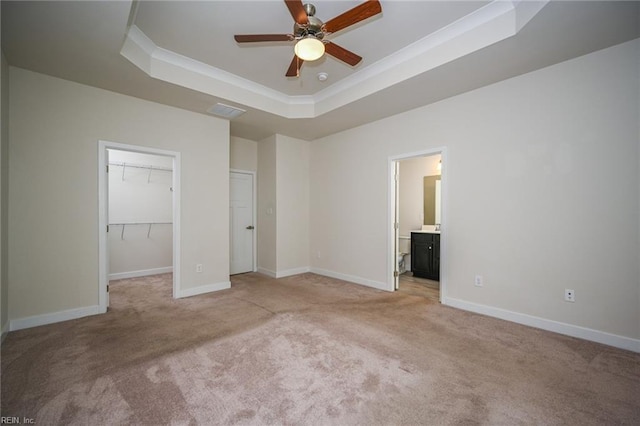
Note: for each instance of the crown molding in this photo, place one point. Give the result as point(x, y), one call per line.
point(490, 24)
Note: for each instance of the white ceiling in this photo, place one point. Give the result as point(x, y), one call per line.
point(204, 31)
point(416, 52)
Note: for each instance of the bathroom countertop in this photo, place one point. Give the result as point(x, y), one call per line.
point(429, 229)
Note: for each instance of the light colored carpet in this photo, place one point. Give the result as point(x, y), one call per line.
point(307, 350)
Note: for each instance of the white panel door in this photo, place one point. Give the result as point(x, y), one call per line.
point(241, 228)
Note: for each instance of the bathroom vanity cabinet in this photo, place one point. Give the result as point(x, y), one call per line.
point(425, 255)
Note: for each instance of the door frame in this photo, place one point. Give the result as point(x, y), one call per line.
point(103, 197)
point(393, 199)
point(254, 213)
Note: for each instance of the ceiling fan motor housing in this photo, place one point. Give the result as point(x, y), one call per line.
point(313, 27)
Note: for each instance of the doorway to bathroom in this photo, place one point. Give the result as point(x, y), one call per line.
point(416, 208)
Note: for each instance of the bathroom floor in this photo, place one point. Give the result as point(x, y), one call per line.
point(419, 286)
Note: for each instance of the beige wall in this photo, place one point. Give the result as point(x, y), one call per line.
point(267, 225)
point(528, 207)
point(243, 154)
point(4, 193)
point(292, 179)
point(283, 206)
point(54, 130)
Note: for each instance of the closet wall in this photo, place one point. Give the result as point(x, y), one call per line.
point(140, 214)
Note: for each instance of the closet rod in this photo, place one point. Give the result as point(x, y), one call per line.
point(142, 166)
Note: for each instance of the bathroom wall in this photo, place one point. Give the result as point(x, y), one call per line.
point(411, 196)
point(138, 195)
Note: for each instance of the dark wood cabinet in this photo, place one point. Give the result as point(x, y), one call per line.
point(425, 255)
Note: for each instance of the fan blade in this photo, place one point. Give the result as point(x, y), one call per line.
point(350, 17)
point(341, 53)
point(251, 38)
point(296, 63)
point(297, 11)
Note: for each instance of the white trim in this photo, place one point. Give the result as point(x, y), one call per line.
point(491, 23)
point(103, 250)
point(352, 279)
point(5, 331)
point(290, 272)
point(267, 272)
point(103, 214)
point(178, 69)
point(285, 273)
point(140, 273)
point(255, 213)
point(37, 320)
point(391, 255)
point(605, 338)
point(209, 288)
point(177, 220)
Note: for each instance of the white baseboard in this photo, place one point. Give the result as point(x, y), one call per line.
point(37, 320)
point(549, 325)
point(285, 273)
point(5, 331)
point(267, 272)
point(204, 289)
point(141, 273)
point(290, 272)
point(351, 278)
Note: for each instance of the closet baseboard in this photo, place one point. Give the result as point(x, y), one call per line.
point(140, 273)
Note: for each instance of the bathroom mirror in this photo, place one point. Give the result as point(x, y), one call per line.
point(431, 186)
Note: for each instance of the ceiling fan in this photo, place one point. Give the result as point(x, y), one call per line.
point(309, 33)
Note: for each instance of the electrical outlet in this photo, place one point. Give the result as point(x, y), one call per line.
point(478, 281)
point(318, 254)
point(569, 295)
point(199, 268)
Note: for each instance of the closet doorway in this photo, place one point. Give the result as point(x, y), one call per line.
point(138, 215)
point(417, 215)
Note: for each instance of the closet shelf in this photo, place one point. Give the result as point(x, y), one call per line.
point(142, 166)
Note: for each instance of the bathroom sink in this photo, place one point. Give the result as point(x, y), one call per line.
point(429, 228)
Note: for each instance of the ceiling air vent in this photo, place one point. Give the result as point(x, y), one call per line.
point(226, 111)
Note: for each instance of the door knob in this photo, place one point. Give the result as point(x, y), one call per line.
point(250, 227)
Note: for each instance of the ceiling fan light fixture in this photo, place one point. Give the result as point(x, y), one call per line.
point(309, 48)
